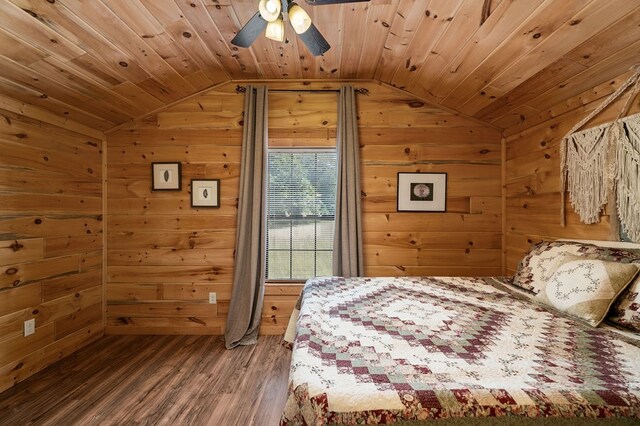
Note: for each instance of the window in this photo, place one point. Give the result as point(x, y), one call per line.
point(301, 207)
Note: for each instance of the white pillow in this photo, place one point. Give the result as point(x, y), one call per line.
point(586, 288)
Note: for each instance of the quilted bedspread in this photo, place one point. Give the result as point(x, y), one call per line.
point(385, 350)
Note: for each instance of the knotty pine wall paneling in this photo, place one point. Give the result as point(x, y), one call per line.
point(50, 238)
point(399, 133)
point(532, 181)
point(164, 257)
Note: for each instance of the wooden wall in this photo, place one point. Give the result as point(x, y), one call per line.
point(399, 133)
point(50, 239)
point(532, 185)
point(164, 257)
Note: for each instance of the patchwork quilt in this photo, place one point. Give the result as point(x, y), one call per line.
point(387, 350)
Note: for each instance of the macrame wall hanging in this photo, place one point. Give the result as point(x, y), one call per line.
point(601, 165)
point(628, 178)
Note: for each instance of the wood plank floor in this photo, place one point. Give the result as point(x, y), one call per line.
point(169, 380)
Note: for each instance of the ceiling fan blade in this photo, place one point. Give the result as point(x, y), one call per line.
point(325, 2)
point(251, 30)
point(314, 41)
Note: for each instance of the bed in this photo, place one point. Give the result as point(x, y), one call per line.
point(449, 350)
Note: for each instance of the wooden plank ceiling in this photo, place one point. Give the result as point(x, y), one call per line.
point(104, 62)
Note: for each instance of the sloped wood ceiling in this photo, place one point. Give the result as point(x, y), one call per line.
point(104, 62)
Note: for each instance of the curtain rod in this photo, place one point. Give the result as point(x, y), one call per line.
point(362, 90)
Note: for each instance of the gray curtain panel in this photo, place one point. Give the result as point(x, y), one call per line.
point(243, 320)
point(347, 240)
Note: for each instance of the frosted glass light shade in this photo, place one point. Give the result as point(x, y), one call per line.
point(270, 9)
point(300, 20)
point(275, 30)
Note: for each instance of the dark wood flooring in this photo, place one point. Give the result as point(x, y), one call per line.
point(168, 380)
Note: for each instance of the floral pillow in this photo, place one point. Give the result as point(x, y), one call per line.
point(626, 310)
point(541, 262)
point(537, 267)
point(586, 288)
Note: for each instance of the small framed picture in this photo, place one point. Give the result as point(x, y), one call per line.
point(422, 192)
point(205, 193)
point(166, 176)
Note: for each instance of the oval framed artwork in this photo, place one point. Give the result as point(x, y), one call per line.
point(422, 192)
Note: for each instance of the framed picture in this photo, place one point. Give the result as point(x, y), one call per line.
point(166, 176)
point(422, 192)
point(205, 193)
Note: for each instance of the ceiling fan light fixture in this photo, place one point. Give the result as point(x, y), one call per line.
point(300, 20)
point(275, 30)
point(270, 9)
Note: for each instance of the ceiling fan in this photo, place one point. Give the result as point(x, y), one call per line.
point(270, 19)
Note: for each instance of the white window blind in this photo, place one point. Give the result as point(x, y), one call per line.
point(301, 207)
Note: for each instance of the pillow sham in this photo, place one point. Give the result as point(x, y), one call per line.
point(586, 288)
point(541, 262)
point(536, 268)
point(626, 309)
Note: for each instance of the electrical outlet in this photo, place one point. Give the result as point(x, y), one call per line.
point(213, 298)
point(29, 327)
